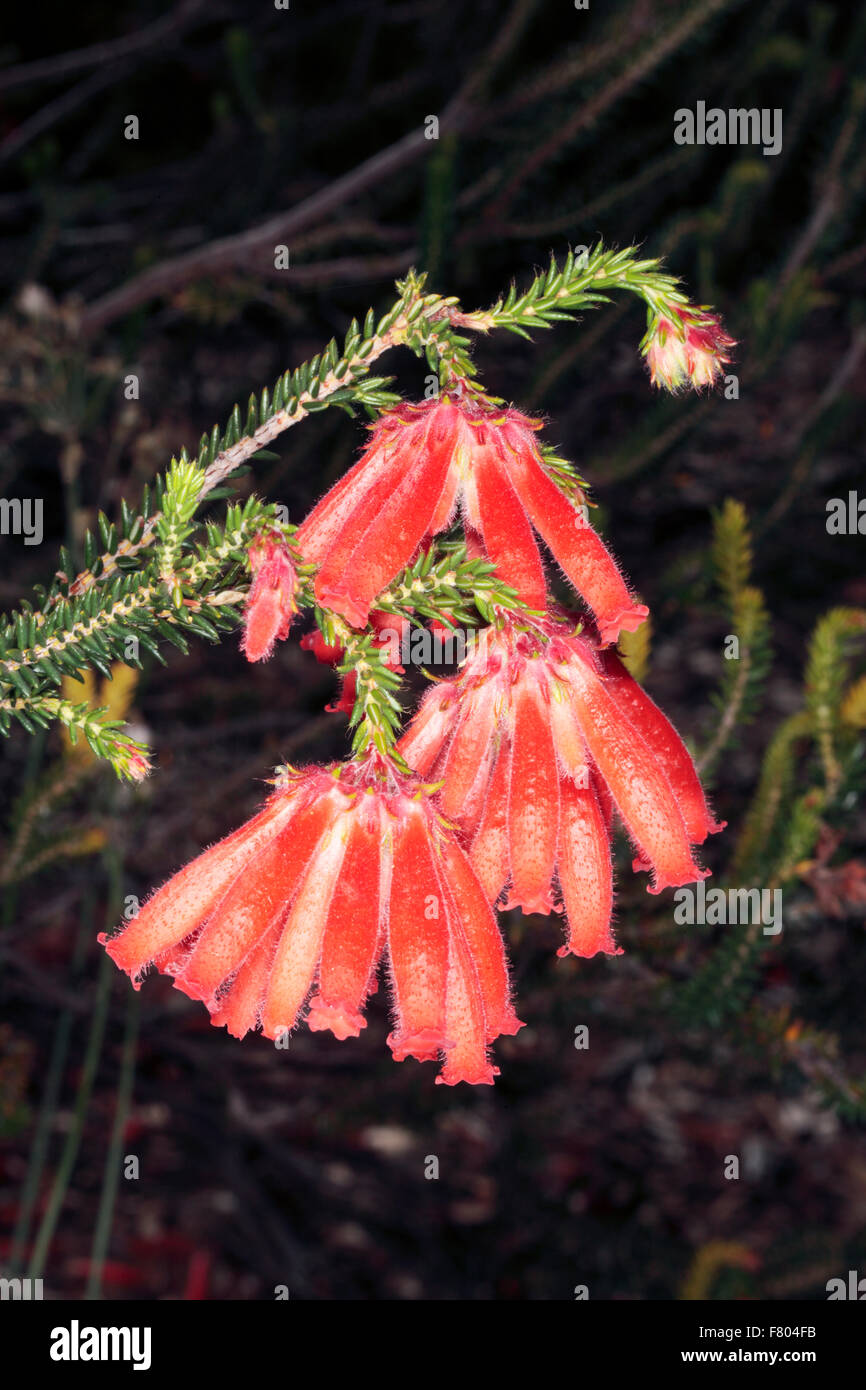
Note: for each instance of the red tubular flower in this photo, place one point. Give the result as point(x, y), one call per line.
point(691, 345)
point(342, 866)
point(420, 461)
point(633, 774)
point(535, 743)
point(270, 604)
point(668, 747)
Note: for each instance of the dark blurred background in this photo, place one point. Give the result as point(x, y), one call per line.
point(155, 256)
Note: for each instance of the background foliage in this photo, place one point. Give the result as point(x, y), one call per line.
point(156, 257)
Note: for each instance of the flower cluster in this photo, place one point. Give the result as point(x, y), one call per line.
point(421, 462)
point(537, 744)
point(686, 345)
point(503, 789)
point(344, 865)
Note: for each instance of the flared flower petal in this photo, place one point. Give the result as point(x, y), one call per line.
point(490, 852)
point(426, 736)
point(379, 537)
point(239, 1004)
point(580, 551)
point(541, 738)
point(300, 943)
point(466, 1058)
point(417, 943)
point(381, 465)
point(258, 897)
point(567, 737)
point(508, 540)
point(469, 749)
point(484, 940)
point(182, 904)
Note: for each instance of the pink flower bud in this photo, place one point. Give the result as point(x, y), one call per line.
point(270, 604)
point(688, 346)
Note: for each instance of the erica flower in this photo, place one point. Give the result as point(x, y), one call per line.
point(133, 762)
point(420, 462)
point(536, 744)
point(342, 866)
point(270, 604)
point(691, 345)
point(666, 743)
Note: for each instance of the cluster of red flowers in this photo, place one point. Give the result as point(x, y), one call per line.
point(342, 866)
point(506, 783)
point(422, 462)
point(536, 744)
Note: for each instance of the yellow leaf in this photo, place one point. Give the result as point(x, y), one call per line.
point(853, 707)
point(117, 694)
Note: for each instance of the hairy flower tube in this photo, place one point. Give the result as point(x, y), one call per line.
point(270, 604)
point(421, 461)
point(688, 346)
point(536, 742)
point(343, 866)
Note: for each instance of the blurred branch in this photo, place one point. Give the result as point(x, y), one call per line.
point(160, 34)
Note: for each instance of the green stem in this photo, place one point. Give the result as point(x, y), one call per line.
point(113, 1158)
point(69, 1154)
point(31, 771)
point(50, 1097)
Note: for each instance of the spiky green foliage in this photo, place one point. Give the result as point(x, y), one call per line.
point(827, 672)
point(580, 283)
point(796, 793)
point(378, 714)
point(106, 737)
point(443, 584)
point(732, 550)
point(747, 644)
point(183, 484)
point(758, 832)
